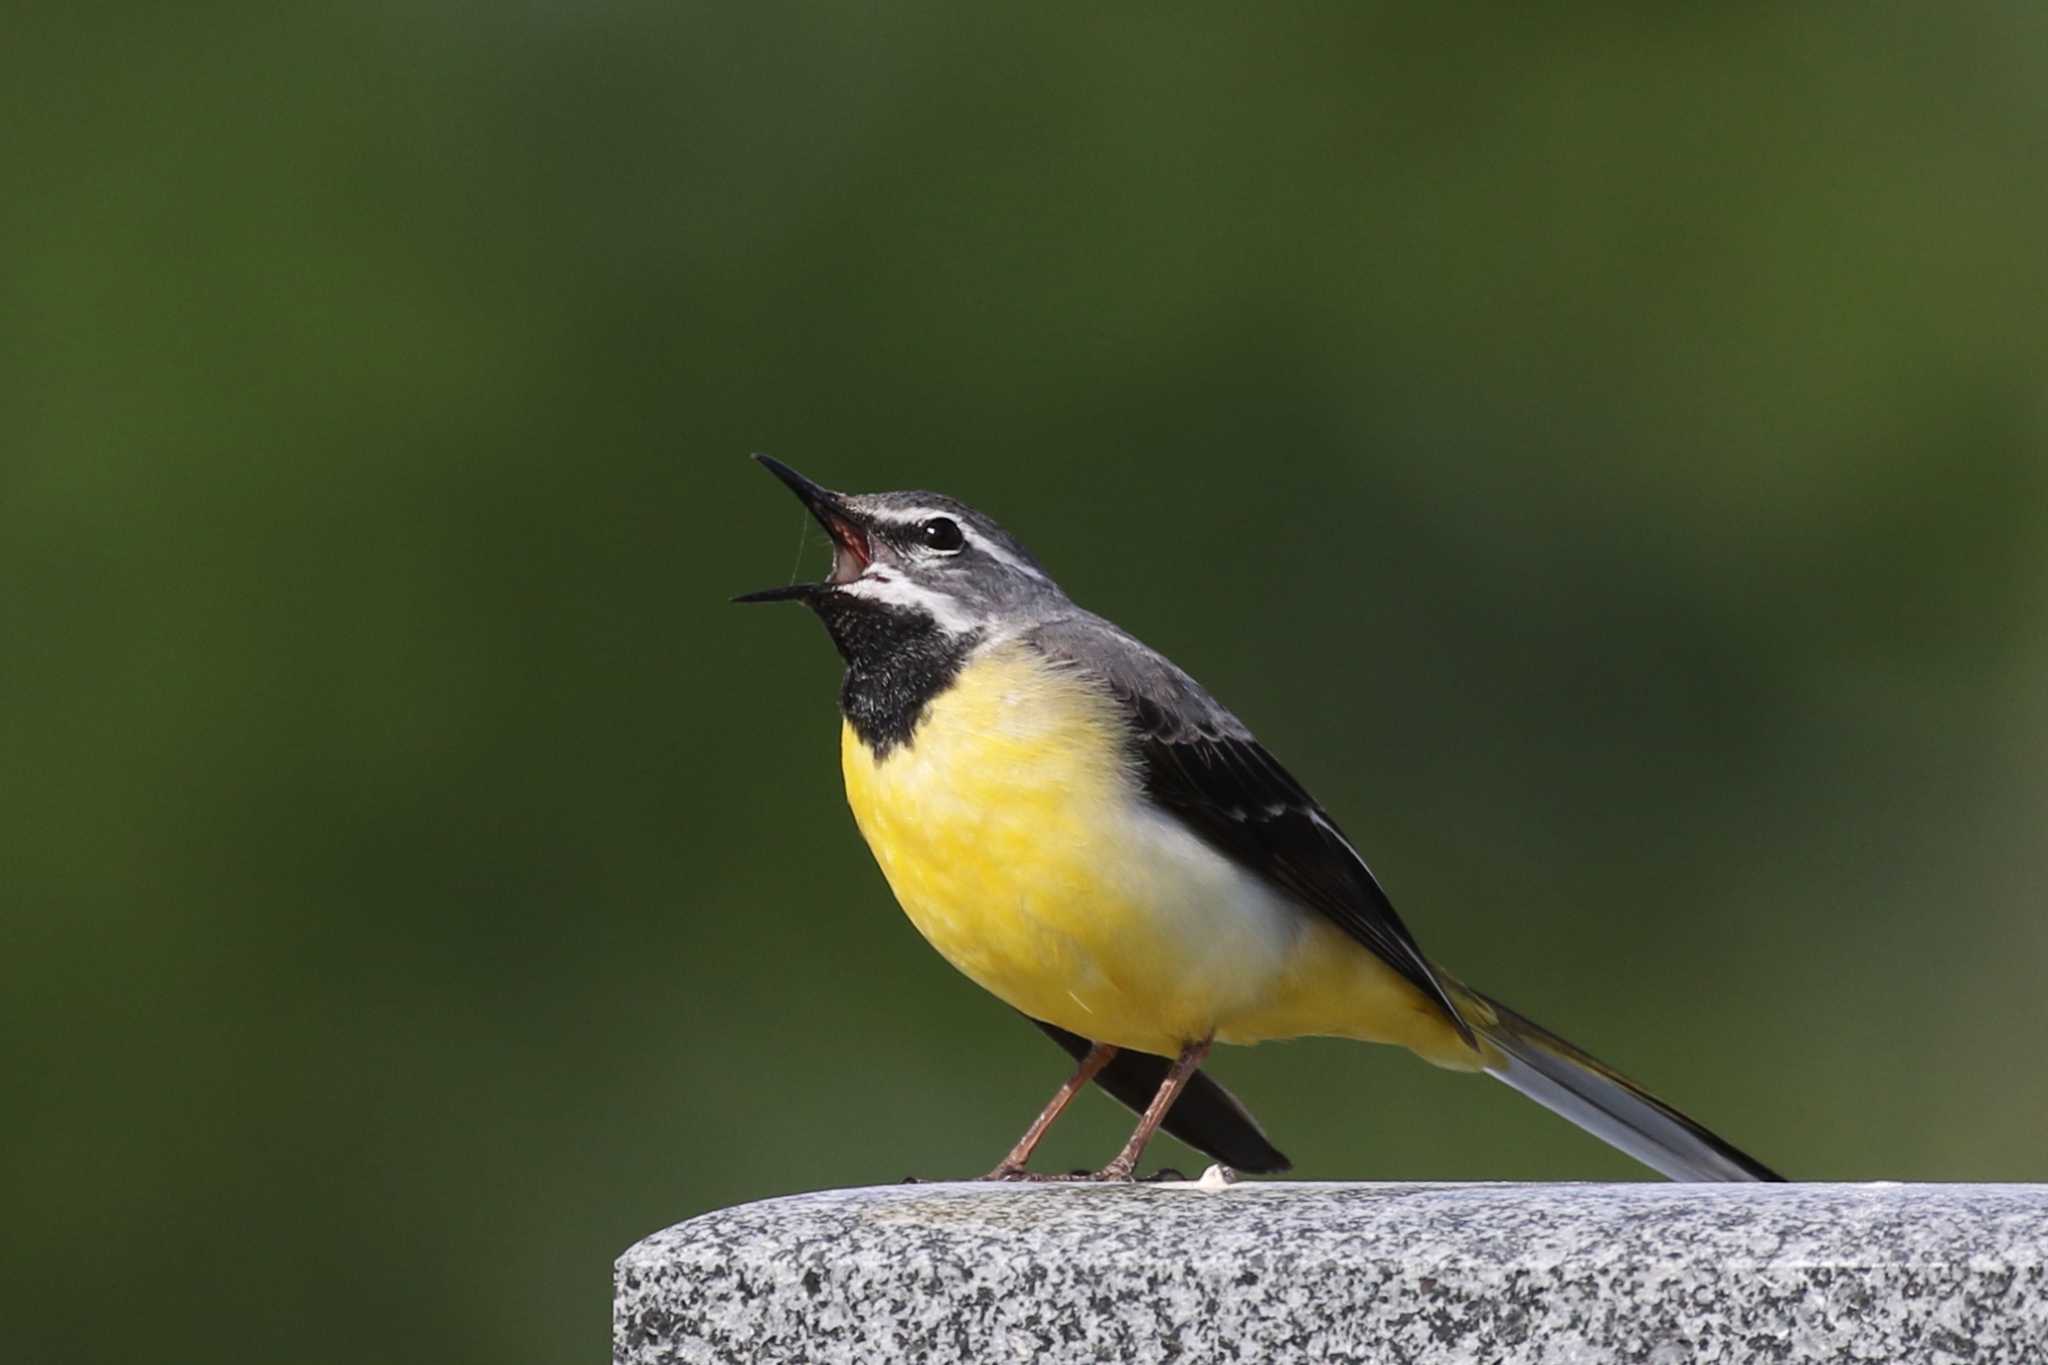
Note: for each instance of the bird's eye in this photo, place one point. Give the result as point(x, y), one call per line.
point(941, 534)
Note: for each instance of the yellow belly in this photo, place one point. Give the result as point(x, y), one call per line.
point(1013, 834)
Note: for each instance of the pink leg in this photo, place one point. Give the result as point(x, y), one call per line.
point(1184, 1066)
point(1012, 1166)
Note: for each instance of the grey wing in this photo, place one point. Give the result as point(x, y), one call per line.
point(1202, 764)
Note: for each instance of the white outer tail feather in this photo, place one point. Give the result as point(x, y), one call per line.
point(1614, 1109)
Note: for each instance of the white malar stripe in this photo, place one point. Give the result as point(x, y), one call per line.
point(886, 586)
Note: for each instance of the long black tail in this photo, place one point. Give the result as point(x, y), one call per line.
point(1600, 1099)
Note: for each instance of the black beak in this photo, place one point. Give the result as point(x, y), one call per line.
point(815, 496)
point(851, 549)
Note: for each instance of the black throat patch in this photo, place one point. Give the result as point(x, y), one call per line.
point(897, 660)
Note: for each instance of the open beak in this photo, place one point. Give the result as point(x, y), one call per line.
point(851, 549)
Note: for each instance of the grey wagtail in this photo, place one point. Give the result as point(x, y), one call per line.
point(1094, 840)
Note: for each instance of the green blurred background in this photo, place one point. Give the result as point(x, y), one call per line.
point(1601, 448)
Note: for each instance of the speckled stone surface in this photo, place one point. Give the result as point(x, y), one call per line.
point(1276, 1272)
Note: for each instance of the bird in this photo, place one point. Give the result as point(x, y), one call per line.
point(1080, 828)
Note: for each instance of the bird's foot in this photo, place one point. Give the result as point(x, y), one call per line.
point(1115, 1173)
point(1017, 1175)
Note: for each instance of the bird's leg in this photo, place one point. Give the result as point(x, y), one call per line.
point(1011, 1167)
point(1184, 1066)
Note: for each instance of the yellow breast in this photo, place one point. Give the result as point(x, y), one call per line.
point(1013, 832)
point(1009, 830)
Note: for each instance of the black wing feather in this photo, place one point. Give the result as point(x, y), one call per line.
point(1200, 762)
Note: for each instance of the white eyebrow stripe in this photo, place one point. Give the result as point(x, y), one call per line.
point(910, 516)
point(1001, 555)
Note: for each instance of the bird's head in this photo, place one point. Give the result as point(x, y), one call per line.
point(912, 564)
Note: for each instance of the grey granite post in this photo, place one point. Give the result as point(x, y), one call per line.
point(1276, 1272)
